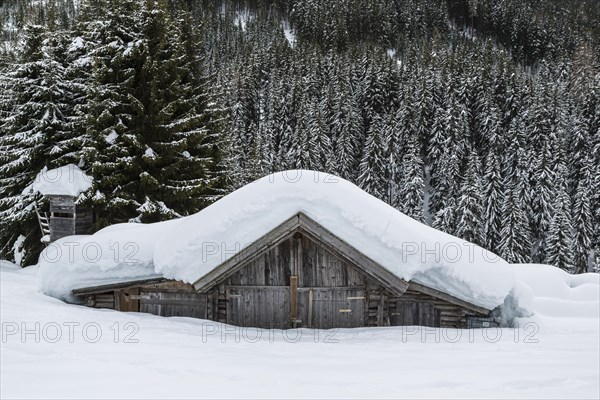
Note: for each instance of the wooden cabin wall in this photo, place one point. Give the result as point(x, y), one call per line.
point(416, 308)
point(296, 283)
point(172, 299)
point(68, 218)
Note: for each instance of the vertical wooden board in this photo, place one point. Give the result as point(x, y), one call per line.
point(397, 317)
point(410, 313)
point(283, 264)
point(303, 307)
point(134, 304)
point(260, 267)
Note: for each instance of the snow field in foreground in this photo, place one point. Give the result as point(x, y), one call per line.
point(82, 353)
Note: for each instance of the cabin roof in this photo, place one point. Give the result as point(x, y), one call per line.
point(191, 249)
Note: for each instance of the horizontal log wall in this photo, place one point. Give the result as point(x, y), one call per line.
point(173, 299)
point(101, 300)
point(450, 315)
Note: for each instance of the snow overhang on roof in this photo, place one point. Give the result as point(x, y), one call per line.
point(68, 180)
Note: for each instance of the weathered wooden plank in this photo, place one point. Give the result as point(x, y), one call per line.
point(293, 298)
point(105, 305)
point(62, 208)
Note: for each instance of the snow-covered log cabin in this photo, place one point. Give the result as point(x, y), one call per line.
point(287, 252)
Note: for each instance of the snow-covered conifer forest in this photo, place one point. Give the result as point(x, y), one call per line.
point(479, 118)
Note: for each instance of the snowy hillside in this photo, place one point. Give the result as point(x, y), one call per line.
point(553, 355)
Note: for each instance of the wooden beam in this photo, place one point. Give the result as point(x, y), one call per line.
point(449, 298)
point(310, 308)
point(294, 299)
point(113, 286)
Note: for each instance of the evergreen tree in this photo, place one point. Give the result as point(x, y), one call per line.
point(410, 196)
point(155, 151)
point(515, 245)
point(31, 139)
point(493, 195)
point(469, 224)
point(372, 164)
point(559, 241)
point(582, 222)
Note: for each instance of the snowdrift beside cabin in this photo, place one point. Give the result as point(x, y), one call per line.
point(558, 294)
point(188, 248)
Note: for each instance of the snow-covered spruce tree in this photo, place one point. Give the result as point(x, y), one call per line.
point(559, 240)
point(345, 130)
point(301, 154)
point(155, 153)
point(319, 139)
point(515, 244)
point(445, 219)
point(410, 196)
point(372, 165)
point(583, 220)
point(395, 148)
point(469, 210)
point(493, 198)
point(446, 151)
point(114, 162)
point(31, 138)
point(543, 193)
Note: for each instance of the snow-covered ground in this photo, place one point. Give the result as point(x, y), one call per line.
point(50, 349)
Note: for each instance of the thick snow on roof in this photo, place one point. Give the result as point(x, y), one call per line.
point(67, 180)
point(188, 248)
point(114, 254)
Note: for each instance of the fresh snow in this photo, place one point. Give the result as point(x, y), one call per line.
point(67, 180)
point(559, 294)
point(18, 252)
point(50, 349)
point(242, 17)
point(111, 138)
point(188, 248)
point(77, 44)
point(149, 153)
point(288, 32)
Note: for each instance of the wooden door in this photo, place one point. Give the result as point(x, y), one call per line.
point(128, 299)
point(258, 306)
point(332, 307)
